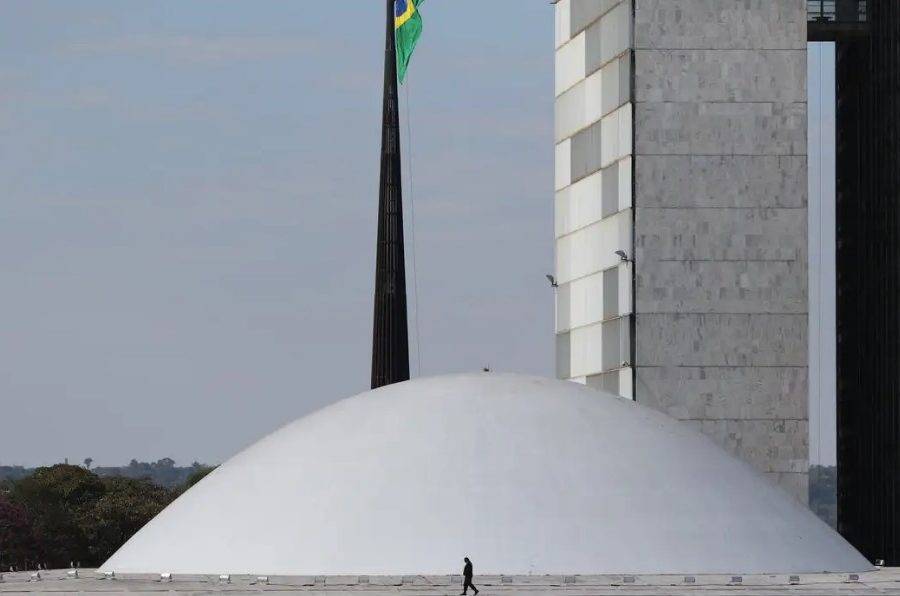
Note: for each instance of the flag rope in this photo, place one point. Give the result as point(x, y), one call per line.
point(412, 226)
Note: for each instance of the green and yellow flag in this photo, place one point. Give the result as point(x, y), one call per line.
point(407, 29)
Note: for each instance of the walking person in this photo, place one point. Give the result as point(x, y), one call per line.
point(467, 577)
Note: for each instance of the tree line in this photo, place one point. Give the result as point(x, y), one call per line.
point(163, 472)
point(63, 515)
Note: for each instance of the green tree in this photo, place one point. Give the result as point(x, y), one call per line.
point(197, 475)
point(16, 535)
point(64, 513)
point(126, 505)
point(56, 499)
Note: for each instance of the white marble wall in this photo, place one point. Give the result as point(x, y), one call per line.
point(593, 205)
point(681, 138)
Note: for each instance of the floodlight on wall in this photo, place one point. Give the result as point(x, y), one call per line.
point(165, 577)
point(853, 577)
point(35, 577)
point(622, 255)
point(737, 579)
point(224, 579)
point(109, 575)
point(794, 579)
point(552, 280)
point(263, 579)
point(879, 562)
point(72, 574)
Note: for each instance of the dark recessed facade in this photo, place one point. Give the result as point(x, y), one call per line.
point(867, 34)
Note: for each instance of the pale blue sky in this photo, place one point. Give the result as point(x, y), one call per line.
point(822, 288)
point(187, 216)
point(187, 222)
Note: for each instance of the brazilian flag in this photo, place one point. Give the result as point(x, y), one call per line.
point(407, 29)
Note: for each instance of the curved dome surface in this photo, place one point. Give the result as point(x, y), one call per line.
point(524, 475)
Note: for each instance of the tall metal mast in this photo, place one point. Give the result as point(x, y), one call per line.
point(390, 339)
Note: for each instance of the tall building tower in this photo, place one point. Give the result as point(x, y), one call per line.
point(681, 210)
point(867, 37)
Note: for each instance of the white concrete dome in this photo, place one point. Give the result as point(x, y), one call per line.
point(524, 475)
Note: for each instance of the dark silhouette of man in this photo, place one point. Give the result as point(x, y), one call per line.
point(467, 577)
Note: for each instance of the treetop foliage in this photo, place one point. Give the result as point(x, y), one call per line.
point(62, 515)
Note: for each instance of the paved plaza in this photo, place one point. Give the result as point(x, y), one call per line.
point(882, 582)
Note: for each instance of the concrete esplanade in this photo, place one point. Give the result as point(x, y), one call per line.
point(681, 136)
point(526, 476)
point(883, 582)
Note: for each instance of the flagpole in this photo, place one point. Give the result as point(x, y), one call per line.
point(390, 338)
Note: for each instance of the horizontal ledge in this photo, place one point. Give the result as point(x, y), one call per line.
point(724, 208)
point(568, 330)
point(593, 123)
point(726, 314)
point(719, 155)
point(707, 49)
point(661, 50)
point(593, 223)
point(733, 366)
point(778, 419)
point(593, 273)
point(723, 101)
point(638, 260)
